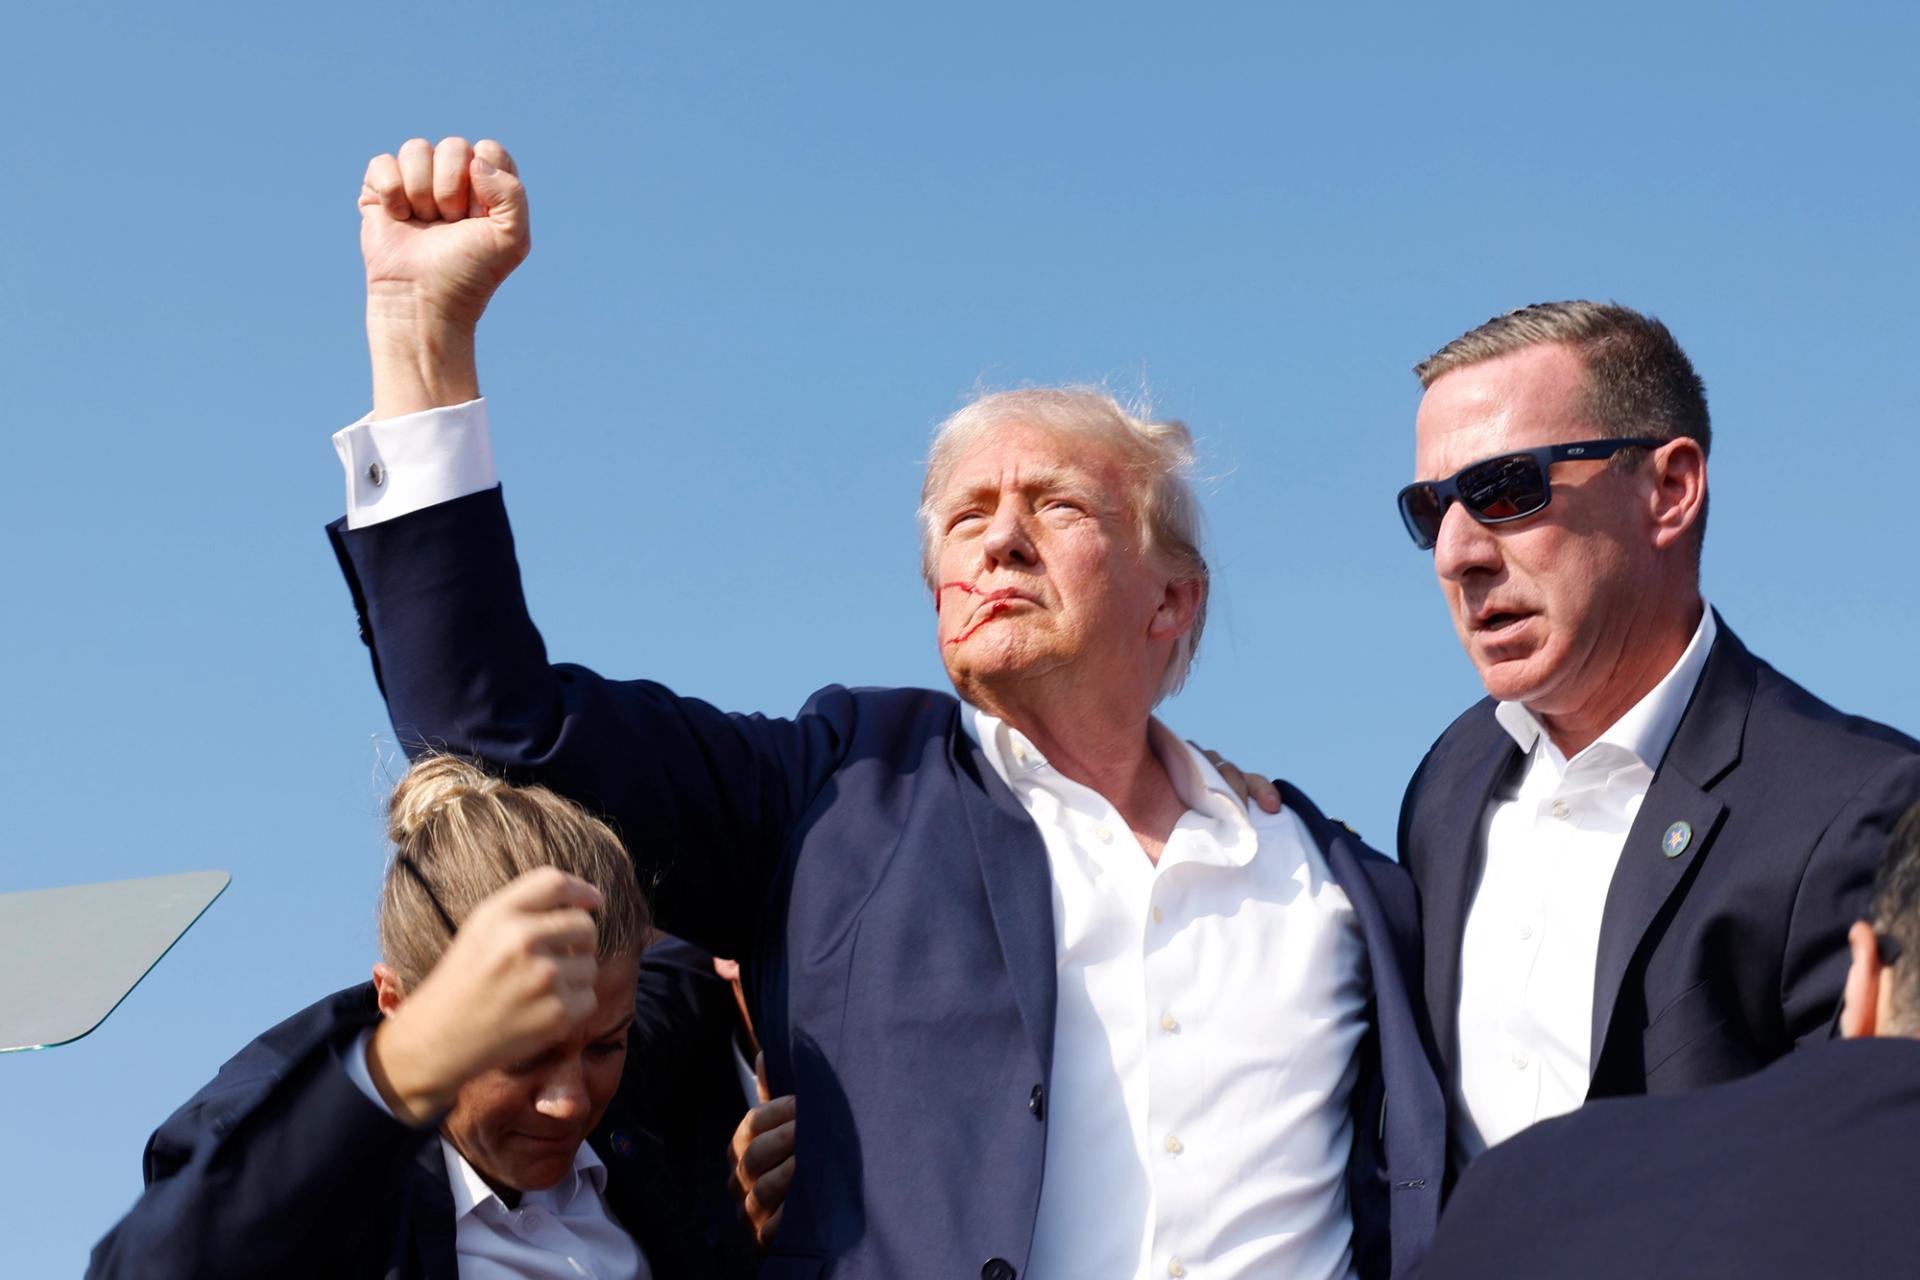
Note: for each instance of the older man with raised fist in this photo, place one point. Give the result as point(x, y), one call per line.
point(1053, 1003)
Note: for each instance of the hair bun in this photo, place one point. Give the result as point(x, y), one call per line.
point(429, 789)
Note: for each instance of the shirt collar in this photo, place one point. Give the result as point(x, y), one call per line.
point(470, 1190)
point(1198, 784)
point(1647, 729)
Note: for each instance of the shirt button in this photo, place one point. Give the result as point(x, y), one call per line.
point(1520, 1061)
point(1157, 916)
point(1105, 833)
point(1561, 809)
point(376, 474)
point(1167, 1022)
point(530, 1220)
point(1019, 752)
point(1174, 1145)
point(1526, 931)
point(1175, 1269)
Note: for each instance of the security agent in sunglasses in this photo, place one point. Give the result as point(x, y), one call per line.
point(1639, 855)
point(1803, 1169)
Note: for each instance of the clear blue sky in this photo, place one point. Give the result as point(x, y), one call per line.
point(772, 247)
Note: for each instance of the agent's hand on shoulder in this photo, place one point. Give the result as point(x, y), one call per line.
point(518, 976)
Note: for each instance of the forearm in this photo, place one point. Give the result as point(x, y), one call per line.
point(422, 359)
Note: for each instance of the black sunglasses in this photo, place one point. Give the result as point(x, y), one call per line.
point(1511, 486)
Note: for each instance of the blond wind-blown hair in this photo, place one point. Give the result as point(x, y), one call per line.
point(459, 835)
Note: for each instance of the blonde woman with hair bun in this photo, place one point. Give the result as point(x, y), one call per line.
point(473, 1111)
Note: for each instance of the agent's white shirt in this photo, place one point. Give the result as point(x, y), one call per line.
point(563, 1232)
point(1204, 1036)
point(1532, 938)
point(1209, 1007)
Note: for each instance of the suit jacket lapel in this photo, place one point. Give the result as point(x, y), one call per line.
point(1013, 862)
point(1412, 1125)
point(641, 1199)
point(430, 1201)
point(1457, 843)
point(1705, 745)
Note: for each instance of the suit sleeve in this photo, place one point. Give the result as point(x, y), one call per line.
point(265, 1172)
point(705, 800)
point(1835, 890)
point(684, 1016)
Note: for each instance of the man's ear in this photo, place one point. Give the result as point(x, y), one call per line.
point(386, 983)
point(1860, 1009)
point(1679, 494)
point(1179, 606)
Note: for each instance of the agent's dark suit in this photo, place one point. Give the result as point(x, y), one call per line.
point(686, 1018)
point(281, 1167)
point(1804, 1170)
point(892, 899)
point(1716, 961)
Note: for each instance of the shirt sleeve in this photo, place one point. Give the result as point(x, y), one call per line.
point(396, 466)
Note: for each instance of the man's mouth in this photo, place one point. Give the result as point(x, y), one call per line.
point(1496, 620)
point(988, 605)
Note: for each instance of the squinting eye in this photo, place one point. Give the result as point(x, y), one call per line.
point(608, 1049)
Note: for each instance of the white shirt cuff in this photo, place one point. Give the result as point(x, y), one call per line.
point(396, 466)
point(355, 1061)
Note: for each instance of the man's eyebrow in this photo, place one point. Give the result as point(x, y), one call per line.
point(1037, 480)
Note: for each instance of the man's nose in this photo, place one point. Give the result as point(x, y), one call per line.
point(563, 1094)
point(1007, 540)
point(1463, 545)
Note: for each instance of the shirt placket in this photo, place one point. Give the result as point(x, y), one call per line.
point(1530, 925)
point(1169, 1004)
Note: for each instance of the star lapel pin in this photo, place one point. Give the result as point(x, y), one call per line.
point(1678, 837)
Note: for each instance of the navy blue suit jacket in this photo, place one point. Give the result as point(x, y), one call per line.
point(280, 1166)
point(890, 897)
point(1714, 962)
point(1803, 1170)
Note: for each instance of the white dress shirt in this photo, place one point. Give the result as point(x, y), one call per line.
point(1209, 1007)
point(1203, 1047)
point(1532, 937)
point(563, 1232)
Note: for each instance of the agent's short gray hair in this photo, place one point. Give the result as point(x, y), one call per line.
point(1639, 381)
point(1157, 454)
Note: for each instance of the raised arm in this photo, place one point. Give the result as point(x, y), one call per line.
point(704, 800)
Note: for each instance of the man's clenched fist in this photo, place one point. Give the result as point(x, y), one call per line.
point(440, 228)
